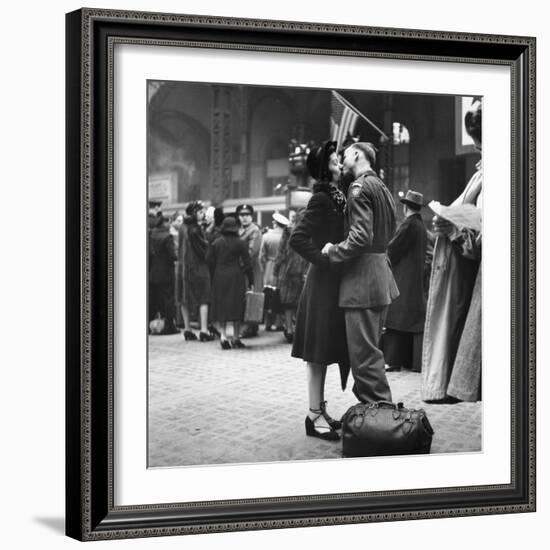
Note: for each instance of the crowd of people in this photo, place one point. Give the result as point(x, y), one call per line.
point(349, 287)
point(202, 263)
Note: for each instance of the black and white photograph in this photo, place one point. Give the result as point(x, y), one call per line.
point(314, 273)
point(270, 275)
point(280, 313)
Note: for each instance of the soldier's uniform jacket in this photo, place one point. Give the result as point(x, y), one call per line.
point(253, 238)
point(367, 280)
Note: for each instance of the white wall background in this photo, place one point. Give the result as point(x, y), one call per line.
point(32, 274)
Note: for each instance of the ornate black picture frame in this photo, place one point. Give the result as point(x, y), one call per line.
point(90, 510)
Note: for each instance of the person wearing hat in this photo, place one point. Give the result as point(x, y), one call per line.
point(251, 234)
point(402, 341)
point(229, 261)
point(320, 333)
point(214, 223)
point(368, 285)
point(268, 253)
point(196, 275)
point(154, 213)
point(451, 350)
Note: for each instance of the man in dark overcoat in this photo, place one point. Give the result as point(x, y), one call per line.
point(368, 286)
point(162, 258)
point(402, 341)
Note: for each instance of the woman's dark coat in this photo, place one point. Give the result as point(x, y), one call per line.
point(212, 233)
point(229, 260)
point(407, 253)
point(162, 256)
point(320, 334)
point(196, 275)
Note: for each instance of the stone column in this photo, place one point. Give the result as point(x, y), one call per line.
point(221, 162)
point(386, 162)
point(244, 159)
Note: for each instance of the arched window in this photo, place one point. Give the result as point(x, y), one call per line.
point(276, 158)
point(270, 133)
point(401, 134)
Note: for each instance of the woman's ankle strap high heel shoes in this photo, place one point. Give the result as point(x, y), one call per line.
point(334, 424)
point(327, 433)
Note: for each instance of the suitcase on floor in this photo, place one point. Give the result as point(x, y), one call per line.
point(385, 429)
point(254, 307)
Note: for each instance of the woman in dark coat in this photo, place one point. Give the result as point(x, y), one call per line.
point(196, 275)
point(320, 337)
point(162, 256)
point(402, 342)
point(229, 260)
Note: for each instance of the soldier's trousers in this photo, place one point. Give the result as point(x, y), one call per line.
point(364, 330)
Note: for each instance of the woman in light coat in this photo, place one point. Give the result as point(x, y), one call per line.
point(451, 353)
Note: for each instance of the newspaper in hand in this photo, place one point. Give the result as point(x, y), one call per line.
point(464, 216)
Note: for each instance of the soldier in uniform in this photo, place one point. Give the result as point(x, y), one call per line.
point(367, 287)
point(251, 234)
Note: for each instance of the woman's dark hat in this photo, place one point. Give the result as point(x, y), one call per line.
point(317, 160)
point(230, 225)
point(193, 207)
point(413, 198)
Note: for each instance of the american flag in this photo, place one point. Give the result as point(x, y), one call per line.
point(342, 119)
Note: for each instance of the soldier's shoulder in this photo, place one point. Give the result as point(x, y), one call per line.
point(371, 178)
point(355, 189)
point(251, 231)
point(372, 183)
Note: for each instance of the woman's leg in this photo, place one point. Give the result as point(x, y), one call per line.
point(203, 314)
point(221, 328)
point(316, 375)
point(288, 321)
point(185, 315)
point(236, 329)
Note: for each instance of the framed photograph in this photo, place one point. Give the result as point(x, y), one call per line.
point(274, 242)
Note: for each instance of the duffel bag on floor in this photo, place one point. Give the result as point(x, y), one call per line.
point(384, 428)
